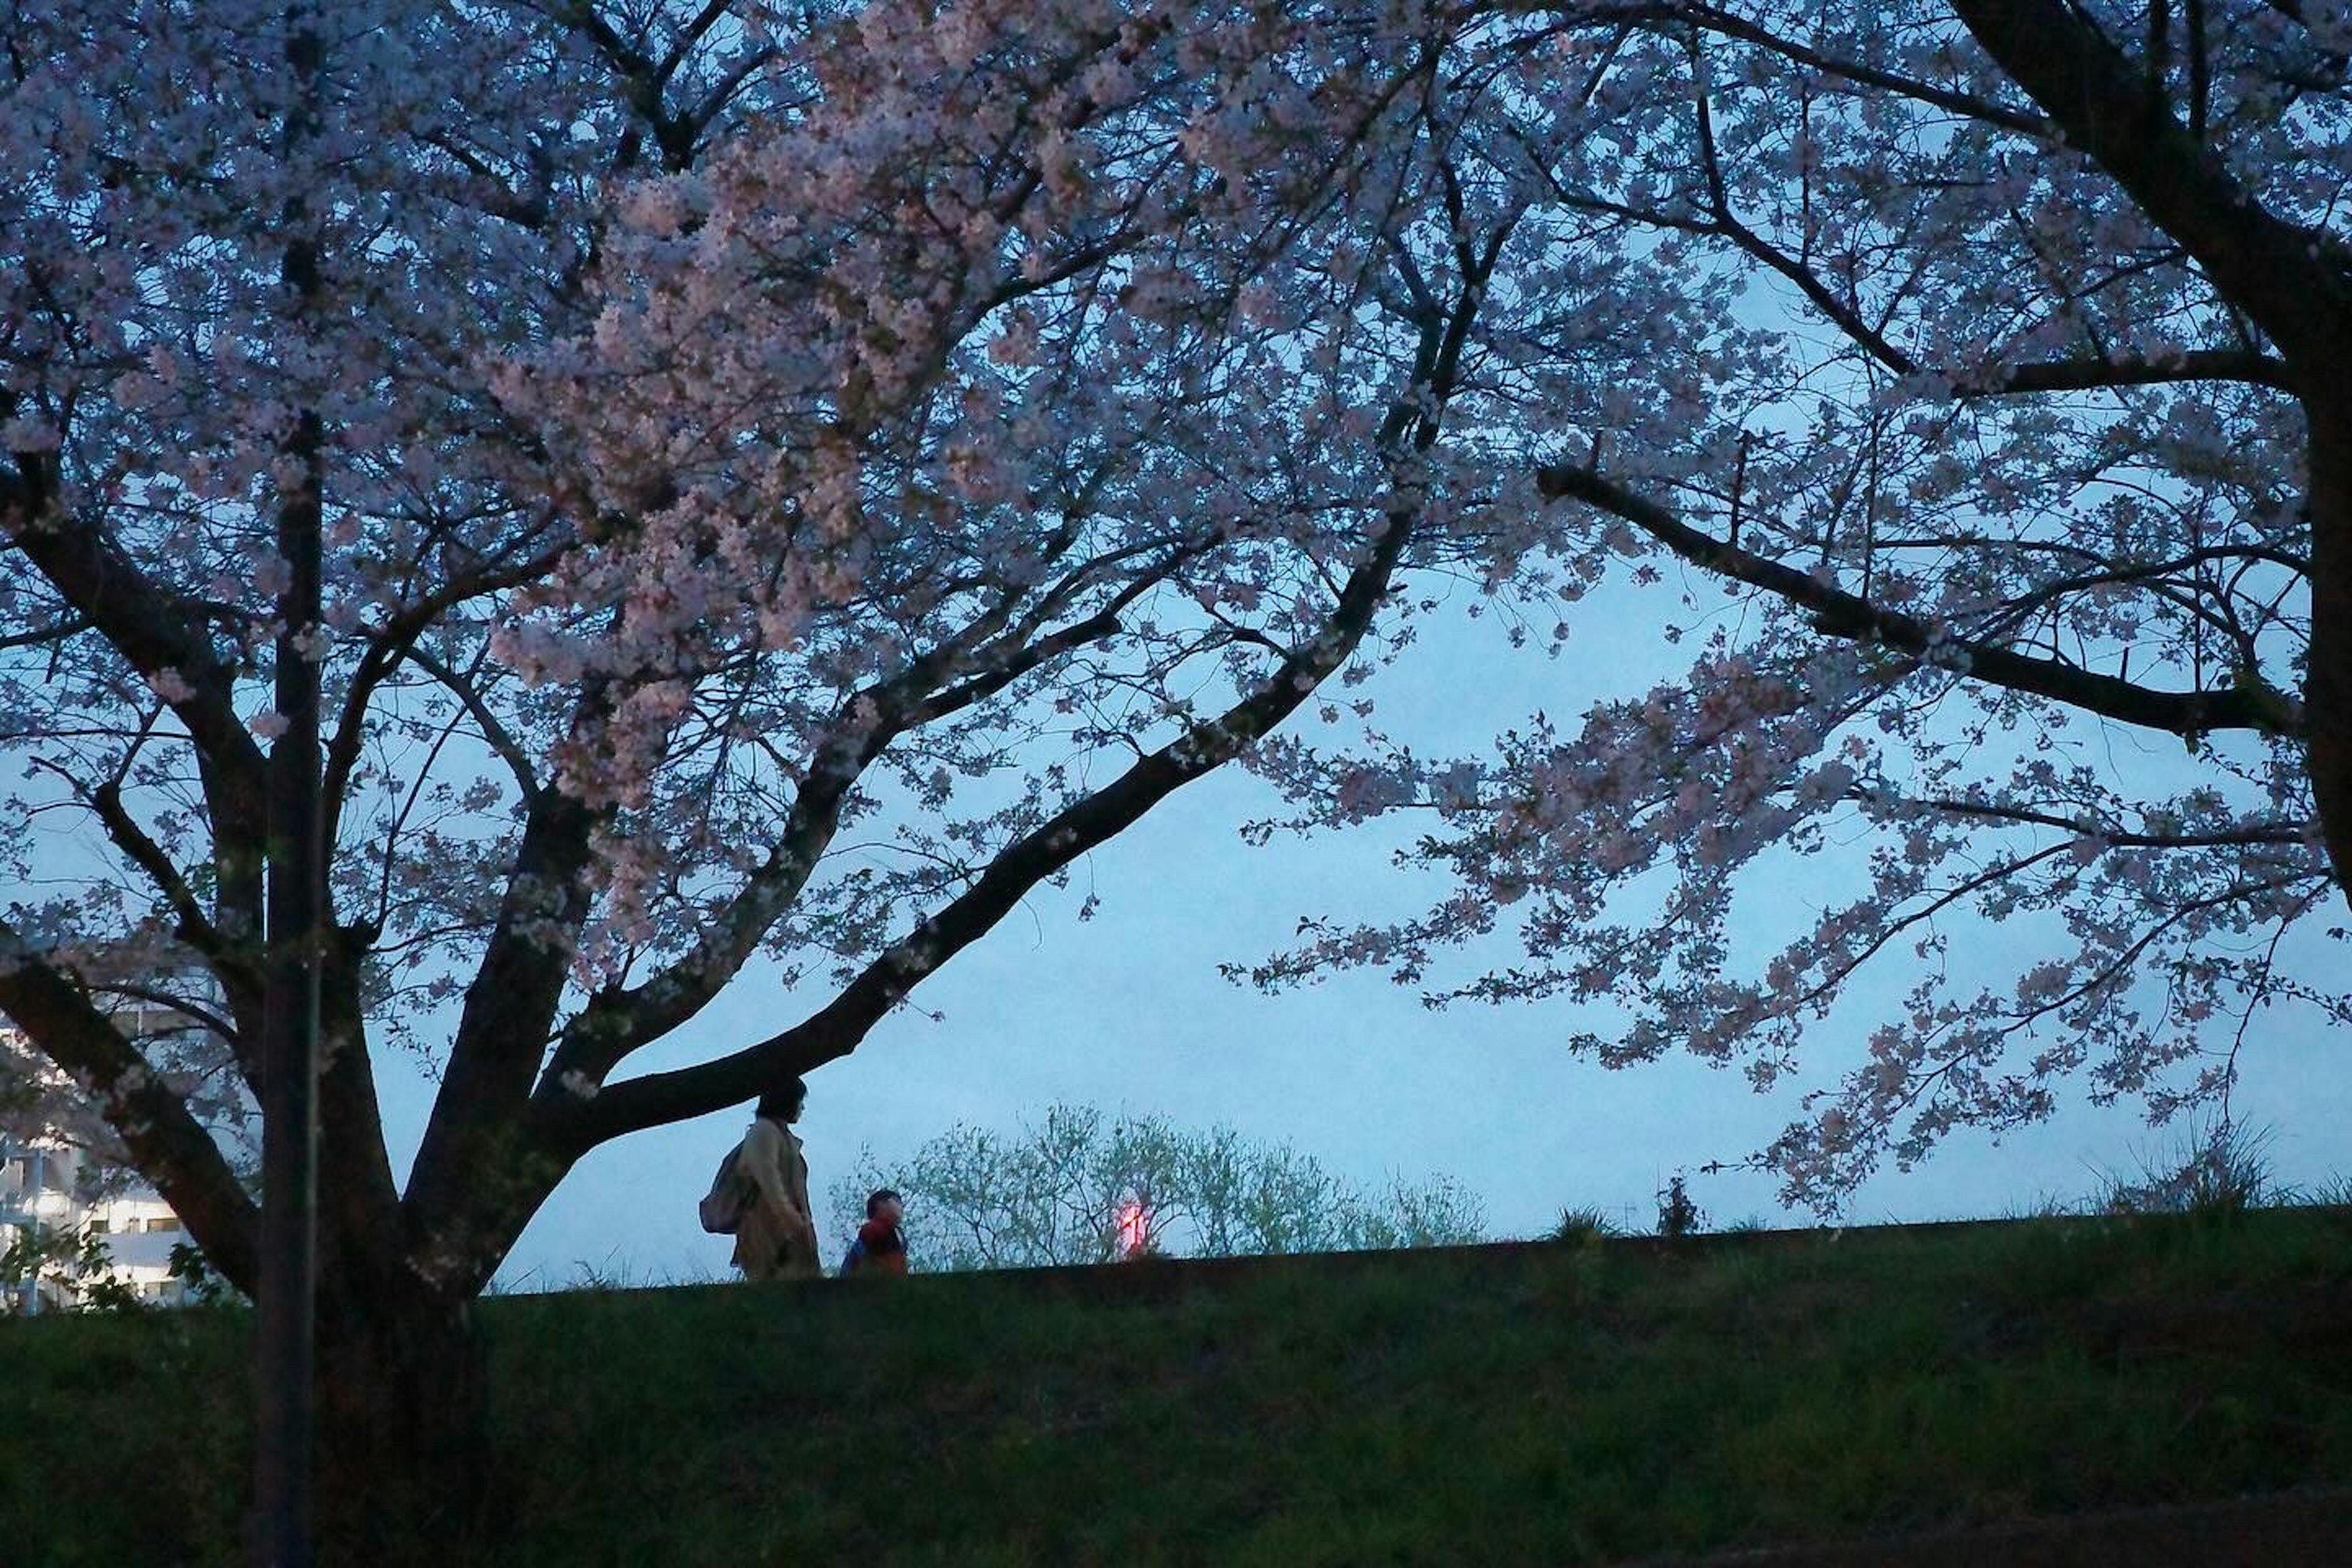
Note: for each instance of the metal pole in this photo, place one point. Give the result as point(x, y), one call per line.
point(290, 1149)
point(285, 1352)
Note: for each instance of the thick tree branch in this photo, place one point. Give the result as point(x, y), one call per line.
point(170, 1147)
point(157, 631)
point(994, 651)
point(356, 1185)
point(2291, 281)
point(235, 967)
point(2092, 375)
point(148, 624)
point(505, 1023)
point(573, 1123)
point(616, 1023)
point(1726, 24)
point(1843, 615)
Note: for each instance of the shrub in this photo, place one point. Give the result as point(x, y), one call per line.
point(1589, 1222)
point(2226, 1174)
point(1677, 1214)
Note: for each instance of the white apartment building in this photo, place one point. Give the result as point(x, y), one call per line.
point(43, 1182)
point(48, 1185)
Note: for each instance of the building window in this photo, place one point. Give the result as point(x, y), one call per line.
point(164, 1222)
point(101, 1226)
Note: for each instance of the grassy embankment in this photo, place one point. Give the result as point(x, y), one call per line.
point(1540, 1403)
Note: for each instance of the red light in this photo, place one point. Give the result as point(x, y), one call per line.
point(1134, 1227)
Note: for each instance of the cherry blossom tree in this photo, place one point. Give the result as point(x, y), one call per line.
point(789, 482)
point(793, 480)
point(2051, 447)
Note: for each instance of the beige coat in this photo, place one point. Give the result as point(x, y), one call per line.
point(776, 1239)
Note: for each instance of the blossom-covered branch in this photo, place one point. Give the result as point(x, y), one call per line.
point(1838, 613)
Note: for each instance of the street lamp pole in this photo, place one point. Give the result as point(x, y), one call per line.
point(285, 1350)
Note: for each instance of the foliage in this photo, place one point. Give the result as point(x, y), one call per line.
point(67, 1263)
point(1055, 1191)
point(200, 1285)
point(1678, 1214)
point(1556, 1405)
point(1587, 1224)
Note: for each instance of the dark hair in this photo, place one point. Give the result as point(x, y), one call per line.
point(880, 1195)
point(783, 1102)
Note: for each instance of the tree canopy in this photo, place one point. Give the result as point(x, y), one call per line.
point(2044, 444)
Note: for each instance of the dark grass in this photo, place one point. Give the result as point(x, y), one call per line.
point(122, 1438)
point(1572, 1403)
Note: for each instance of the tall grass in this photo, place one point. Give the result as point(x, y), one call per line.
point(2224, 1173)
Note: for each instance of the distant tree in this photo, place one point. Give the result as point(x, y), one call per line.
point(1678, 1213)
point(1056, 1189)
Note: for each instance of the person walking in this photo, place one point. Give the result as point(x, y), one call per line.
point(775, 1238)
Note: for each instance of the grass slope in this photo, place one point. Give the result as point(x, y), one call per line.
point(1555, 1403)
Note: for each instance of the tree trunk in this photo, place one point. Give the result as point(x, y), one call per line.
point(2327, 691)
point(405, 1456)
